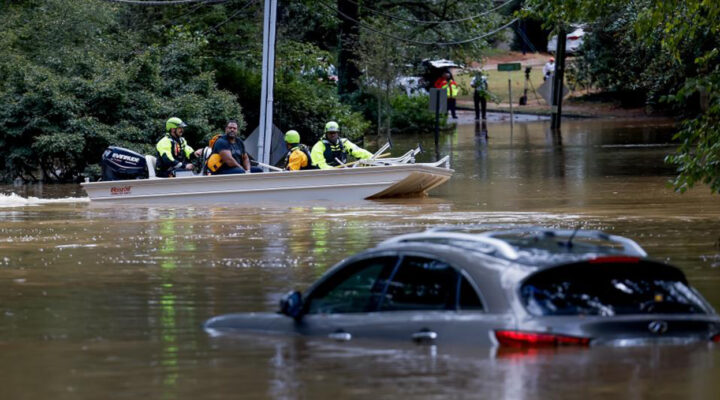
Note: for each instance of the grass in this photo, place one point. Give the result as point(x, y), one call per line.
point(498, 84)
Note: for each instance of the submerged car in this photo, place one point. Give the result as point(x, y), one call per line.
point(524, 288)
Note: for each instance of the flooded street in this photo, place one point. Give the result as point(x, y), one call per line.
point(101, 302)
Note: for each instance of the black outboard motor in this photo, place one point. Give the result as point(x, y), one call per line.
point(120, 164)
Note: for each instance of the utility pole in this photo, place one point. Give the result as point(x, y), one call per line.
point(557, 88)
point(268, 80)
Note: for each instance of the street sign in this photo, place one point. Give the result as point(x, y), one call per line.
point(509, 67)
point(438, 100)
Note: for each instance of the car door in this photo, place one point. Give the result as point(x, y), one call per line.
point(407, 298)
point(430, 301)
point(342, 306)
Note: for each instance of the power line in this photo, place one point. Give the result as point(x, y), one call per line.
point(165, 3)
point(233, 15)
point(418, 21)
point(525, 39)
point(368, 27)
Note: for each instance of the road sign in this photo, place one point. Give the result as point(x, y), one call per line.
point(438, 100)
point(509, 67)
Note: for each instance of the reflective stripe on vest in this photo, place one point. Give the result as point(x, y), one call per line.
point(452, 89)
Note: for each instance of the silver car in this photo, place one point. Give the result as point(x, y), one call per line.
point(524, 287)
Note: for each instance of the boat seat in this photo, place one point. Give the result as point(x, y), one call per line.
point(151, 161)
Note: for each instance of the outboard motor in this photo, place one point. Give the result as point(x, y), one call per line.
point(121, 164)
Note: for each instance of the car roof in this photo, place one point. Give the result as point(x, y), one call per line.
point(529, 246)
point(442, 63)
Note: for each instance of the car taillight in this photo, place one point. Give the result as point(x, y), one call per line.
point(617, 259)
point(573, 37)
point(535, 339)
point(716, 338)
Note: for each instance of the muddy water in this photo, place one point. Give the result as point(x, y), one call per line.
point(99, 302)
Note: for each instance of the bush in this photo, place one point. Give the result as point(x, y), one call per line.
point(647, 72)
point(412, 114)
point(83, 88)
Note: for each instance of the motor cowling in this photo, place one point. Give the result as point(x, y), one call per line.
point(121, 164)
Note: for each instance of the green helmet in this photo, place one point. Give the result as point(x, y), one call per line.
point(174, 122)
point(292, 137)
point(332, 126)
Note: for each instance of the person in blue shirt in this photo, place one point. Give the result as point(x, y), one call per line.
point(229, 155)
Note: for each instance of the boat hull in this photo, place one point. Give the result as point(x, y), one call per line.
point(348, 184)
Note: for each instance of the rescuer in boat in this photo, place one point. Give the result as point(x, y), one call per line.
point(331, 151)
point(228, 153)
point(298, 155)
point(173, 152)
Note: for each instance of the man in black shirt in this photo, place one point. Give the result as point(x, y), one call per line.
point(231, 152)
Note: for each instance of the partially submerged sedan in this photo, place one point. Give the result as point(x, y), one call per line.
point(523, 287)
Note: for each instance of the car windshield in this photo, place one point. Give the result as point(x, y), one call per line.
point(607, 289)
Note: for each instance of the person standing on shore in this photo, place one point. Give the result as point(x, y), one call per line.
point(548, 69)
point(480, 95)
point(452, 91)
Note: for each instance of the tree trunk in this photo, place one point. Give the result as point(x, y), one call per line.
point(388, 118)
point(348, 72)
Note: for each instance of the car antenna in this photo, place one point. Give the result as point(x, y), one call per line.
point(569, 244)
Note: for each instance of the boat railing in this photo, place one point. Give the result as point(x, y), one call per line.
point(407, 158)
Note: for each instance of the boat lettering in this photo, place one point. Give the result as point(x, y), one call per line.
point(120, 190)
point(125, 157)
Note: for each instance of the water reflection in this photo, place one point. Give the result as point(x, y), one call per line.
point(300, 368)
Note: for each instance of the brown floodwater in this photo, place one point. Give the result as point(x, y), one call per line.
point(101, 302)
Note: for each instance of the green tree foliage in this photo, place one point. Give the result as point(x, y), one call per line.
point(412, 114)
point(74, 82)
point(686, 36)
point(305, 98)
point(647, 72)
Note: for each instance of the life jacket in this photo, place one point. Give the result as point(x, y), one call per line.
point(305, 150)
point(452, 88)
point(214, 162)
point(170, 151)
point(333, 151)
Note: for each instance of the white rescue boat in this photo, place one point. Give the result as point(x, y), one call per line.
point(367, 179)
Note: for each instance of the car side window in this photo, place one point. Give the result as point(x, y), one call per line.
point(468, 298)
point(421, 284)
point(355, 288)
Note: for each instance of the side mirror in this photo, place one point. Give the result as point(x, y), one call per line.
point(291, 304)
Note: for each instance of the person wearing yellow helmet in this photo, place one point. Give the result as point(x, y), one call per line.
point(332, 150)
point(173, 152)
point(298, 155)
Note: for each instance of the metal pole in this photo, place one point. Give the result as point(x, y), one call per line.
point(510, 94)
point(437, 125)
point(558, 75)
point(268, 79)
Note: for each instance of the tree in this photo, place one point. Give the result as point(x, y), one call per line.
point(74, 83)
point(381, 65)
